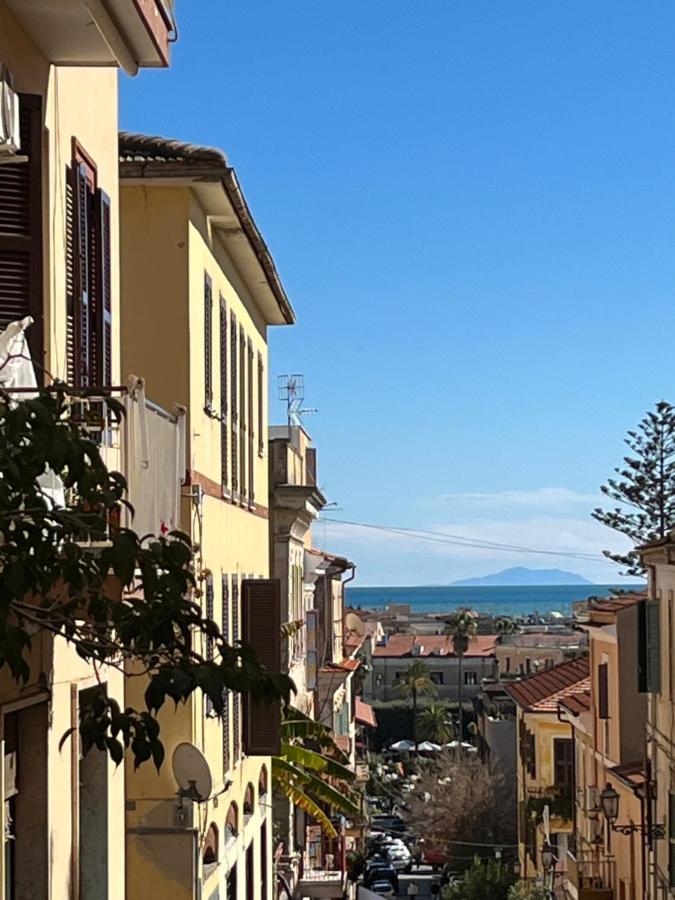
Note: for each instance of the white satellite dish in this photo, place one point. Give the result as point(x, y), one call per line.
point(355, 624)
point(192, 773)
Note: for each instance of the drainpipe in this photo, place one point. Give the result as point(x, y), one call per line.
point(111, 35)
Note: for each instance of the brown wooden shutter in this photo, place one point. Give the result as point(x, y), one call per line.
point(225, 629)
point(261, 405)
point(21, 230)
point(236, 698)
point(224, 470)
point(243, 409)
point(261, 614)
point(208, 342)
point(83, 259)
point(251, 436)
point(603, 692)
point(101, 282)
point(234, 456)
point(563, 765)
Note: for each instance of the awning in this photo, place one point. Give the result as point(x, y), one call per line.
point(365, 714)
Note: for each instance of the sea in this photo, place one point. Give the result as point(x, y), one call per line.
point(494, 601)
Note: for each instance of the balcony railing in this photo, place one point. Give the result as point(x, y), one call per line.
point(591, 876)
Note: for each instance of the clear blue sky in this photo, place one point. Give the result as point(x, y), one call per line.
point(472, 207)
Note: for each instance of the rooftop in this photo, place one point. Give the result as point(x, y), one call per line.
point(150, 157)
point(542, 692)
point(364, 713)
point(399, 645)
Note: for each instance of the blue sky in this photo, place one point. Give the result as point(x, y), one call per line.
point(472, 206)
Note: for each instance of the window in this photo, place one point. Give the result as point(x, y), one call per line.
point(209, 612)
point(249, 800)
point(261, 405)
point(225, 628)
point(21, 230)
point(232, 883)
point(250, 870)
point(603, 692)
point(208, 343)
point(563, 765)
point(508, 663)
point(210, 852)
point(243, 409)
point(236, 698)
point(436, 677)
point(251, 436)
point(234, 464)
point(88, 276)
point(649, 648)
point(223, 395)
point(263, 861)
point(470, 678)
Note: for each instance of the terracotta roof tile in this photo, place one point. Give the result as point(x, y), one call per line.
point(542, 692)
point(365, 714)
point(578, 703)
point(399, 645)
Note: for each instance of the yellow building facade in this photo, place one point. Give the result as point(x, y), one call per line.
point(197, 274)
point(545, 765)
point(63, 818)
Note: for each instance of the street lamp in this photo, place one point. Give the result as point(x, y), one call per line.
point(547, 857)
point(609, 803)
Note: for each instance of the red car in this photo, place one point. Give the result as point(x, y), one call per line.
point(435, 858)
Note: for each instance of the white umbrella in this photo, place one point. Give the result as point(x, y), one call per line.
point(404, 746)
point(429, 747)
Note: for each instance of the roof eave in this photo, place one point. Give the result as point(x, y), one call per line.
point(206, 172)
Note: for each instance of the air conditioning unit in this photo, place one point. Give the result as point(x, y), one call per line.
point(10, 140)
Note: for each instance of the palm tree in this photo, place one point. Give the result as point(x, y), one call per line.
point(311, 771)
point(461, 627)
point(415, 682)
point(505, 626)
point(434, 724)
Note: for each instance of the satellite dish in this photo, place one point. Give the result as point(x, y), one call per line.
point(192, 773)
point(355, 624)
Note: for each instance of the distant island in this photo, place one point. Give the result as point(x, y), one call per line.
point(522, 577)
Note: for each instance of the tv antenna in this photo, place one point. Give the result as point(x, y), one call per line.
point(291, 391)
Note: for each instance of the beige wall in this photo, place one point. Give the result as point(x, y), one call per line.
point(167, 247)
point(77, 103)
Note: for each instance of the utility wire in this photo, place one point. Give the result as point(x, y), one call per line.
point(459, 541)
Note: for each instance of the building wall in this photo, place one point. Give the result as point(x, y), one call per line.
point(546, 728)
point(81, 104)
point(166, 231)
point(526, 660)
point(386, 669)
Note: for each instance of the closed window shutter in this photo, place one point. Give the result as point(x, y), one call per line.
point(208, 342)
point(243, 408)
point(224, 472)
point(101, 281)
point(653, 625)
point(209, 614)
point(671, 838)
point(225, 628)
point(251, 436)
point(563, 763)
point(233, 404)
point(261, 405)
point(236, 698)
point(261, 613)
point(642, 648)
point(603, 691)
point(21, 230)
point(83, 348)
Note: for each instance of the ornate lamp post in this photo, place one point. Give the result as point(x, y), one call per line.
point(548, 860)
point(609, 802)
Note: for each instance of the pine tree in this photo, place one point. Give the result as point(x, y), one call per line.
point(645, 488)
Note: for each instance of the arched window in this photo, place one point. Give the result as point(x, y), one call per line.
point(262, 782)
point(232, 822)
point(249, 800)
point(210, 854)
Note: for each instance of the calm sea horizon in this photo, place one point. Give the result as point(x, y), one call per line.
point(500, 601)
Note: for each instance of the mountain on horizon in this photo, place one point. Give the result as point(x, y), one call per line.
point(522, 577)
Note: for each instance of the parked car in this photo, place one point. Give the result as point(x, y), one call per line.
point(387, 823)
point(383, 888)
point(378, 869)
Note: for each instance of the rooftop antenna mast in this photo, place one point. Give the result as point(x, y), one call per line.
point(291, 391)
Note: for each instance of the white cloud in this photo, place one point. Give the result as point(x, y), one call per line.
point(540, 497)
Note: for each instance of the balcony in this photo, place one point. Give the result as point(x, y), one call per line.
point(131, 34)
point(590, 877)
point(322, 883)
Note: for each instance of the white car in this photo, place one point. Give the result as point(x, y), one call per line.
point(383, 888)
